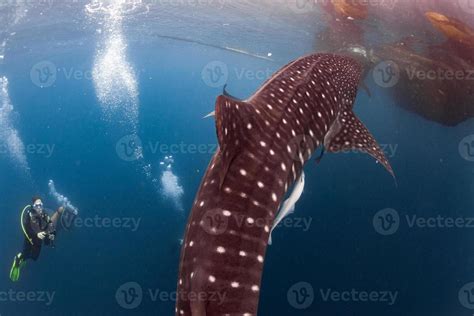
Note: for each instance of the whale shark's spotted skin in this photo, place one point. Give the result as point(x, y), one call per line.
point(263, 144)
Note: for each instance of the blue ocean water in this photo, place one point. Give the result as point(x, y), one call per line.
point(131, 216)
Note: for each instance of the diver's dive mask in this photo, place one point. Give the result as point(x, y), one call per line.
point(38, 207)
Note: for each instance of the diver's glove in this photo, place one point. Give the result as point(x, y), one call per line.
point(41, 235)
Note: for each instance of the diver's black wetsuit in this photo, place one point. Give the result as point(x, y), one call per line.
point(34, 223)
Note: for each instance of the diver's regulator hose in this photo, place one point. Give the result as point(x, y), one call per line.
point(23, 226)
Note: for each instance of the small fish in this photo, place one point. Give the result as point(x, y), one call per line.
point(288, 207)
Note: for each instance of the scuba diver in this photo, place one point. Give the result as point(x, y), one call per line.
point(39, 228)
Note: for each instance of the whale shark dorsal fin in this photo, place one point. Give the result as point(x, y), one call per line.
point(228, 95)
point(236, 124)
point(349, 133)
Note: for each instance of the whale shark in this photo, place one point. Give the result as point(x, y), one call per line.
point(264, 142)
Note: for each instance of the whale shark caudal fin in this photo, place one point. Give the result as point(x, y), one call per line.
point(348, 133)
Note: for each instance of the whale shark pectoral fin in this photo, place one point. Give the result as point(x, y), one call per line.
point(348, 133)
point(213, 113)
point(236, 123)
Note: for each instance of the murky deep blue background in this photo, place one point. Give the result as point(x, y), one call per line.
point(340, 251)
